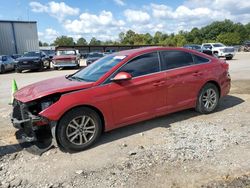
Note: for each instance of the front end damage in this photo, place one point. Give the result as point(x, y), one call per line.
point(34, 131)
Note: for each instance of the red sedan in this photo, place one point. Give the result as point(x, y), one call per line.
point(117, 90)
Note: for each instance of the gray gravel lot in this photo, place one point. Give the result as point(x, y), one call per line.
point(183, 149)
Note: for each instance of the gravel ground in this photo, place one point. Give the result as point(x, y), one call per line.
point(183, 149)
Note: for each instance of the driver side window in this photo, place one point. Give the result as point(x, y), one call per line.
point(142, 65)
point(4, 58)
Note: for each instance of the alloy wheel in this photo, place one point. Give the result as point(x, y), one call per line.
point(209, 99)
point(81, 130)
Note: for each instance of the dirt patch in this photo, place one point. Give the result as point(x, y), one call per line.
point(240, 87)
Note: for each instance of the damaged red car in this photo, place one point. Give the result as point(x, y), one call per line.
point(117, 90)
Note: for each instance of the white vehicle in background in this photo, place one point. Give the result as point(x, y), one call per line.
point(220, 50)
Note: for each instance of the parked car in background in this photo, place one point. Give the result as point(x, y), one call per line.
point(220, 50)
point(34, 60)
point(7, 63)
point(49, 53)
point(84, 55)
point(246, 46)
point(66, 58)
point(15, 56)
point(117, 90)
point(193, 47)
point(92, 57)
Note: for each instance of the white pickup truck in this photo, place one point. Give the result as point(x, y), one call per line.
point(220, 50)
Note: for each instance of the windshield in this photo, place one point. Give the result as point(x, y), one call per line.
point(218, 45)
point(49, 52)
point(197, 47)
point(32, 54)
point(96, 70)
point(95, 55)
point(66, 52)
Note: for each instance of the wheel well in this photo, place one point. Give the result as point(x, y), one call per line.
point(216, 84)
point(215, 52)
point(93, 108)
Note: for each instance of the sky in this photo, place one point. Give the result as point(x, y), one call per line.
point(105, 19)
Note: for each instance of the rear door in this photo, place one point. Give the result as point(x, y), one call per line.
point(184, 79)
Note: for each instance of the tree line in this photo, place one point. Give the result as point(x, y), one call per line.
point(226, 32)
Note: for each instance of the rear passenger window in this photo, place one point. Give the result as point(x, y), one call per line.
point(200, 60)
point(142, 65)
point(176, 59)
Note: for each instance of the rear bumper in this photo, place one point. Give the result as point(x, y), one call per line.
point(226, 86)
point(227, 54)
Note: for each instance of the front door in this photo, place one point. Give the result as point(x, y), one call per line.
point(137, 99)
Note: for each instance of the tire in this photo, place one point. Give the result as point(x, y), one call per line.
point(72, 135)
point(41, 67)
point(18, 71)
point(216, 54)
point(48, 66)
point(229, 58)
point(208, 99)
point(2, 69)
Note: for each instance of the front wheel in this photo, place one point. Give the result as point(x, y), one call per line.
point(79, 129)
point(229, 58)
point(18, 70)
point(208, 99)
point(2, 69)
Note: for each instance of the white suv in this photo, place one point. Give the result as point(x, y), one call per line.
point(220, 50)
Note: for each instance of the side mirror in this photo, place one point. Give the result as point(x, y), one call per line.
point(122, 76)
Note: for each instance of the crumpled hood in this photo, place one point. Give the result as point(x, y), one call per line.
point(48, 87)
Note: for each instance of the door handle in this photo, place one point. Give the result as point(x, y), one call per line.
point(158, 83)
point(197, 73)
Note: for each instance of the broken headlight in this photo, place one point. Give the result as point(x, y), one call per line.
point(46, 104)
point(48, 101)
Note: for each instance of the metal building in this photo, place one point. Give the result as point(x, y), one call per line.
point(17, 37)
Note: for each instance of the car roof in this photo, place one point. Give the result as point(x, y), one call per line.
point(192, 45)
point(65, 49)
point(213, 43)
point(148, 50)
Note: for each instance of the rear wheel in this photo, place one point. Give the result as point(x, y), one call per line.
point(208, 99)
point(79, 129)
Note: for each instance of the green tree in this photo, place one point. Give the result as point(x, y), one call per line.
point(45, 44)
point(229, 38)
point(121, 37)
point(64, 41)
point(94, 41)
point(40, 43)
point(81, 41)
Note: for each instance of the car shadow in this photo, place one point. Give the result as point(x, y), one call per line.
point(226, 102)
point(9, 149)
